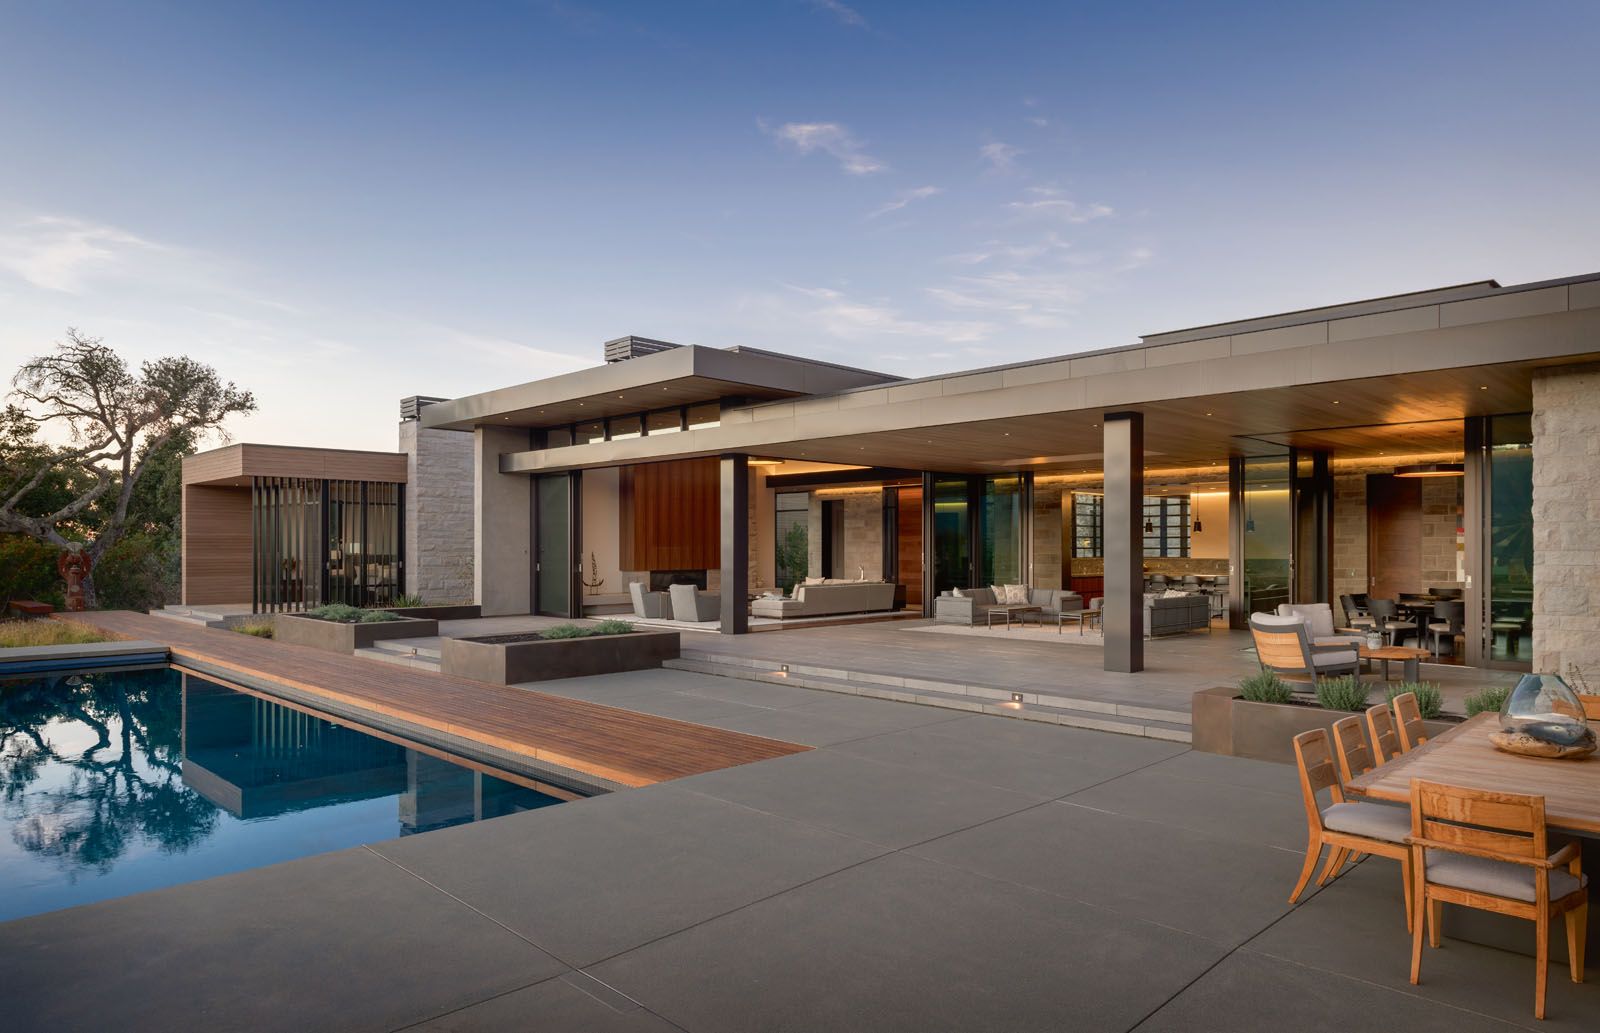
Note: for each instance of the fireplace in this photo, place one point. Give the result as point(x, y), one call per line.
point(661, 580)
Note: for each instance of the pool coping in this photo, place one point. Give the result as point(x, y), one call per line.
point(27, 659)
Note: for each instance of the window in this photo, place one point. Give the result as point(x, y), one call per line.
point(664, 421)
point(706, 414)
point(1166, 526)
point(558, 437)
point(585, 433)
point(791, 545)
point(624, 427)
point(1088, 525)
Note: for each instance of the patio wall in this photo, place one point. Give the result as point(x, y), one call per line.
point(438, 512)
point(1566, 522)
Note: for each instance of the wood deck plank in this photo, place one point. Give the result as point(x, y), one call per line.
point(620, 745)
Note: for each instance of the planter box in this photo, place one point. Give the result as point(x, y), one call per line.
point(507, 663)
point(1225, 724)
point(458, 612)
point(345, 638)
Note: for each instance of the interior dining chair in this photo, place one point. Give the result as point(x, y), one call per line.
point(1344, 827)
point(1488, 850)
point(1408, 716)
point(1380, 726)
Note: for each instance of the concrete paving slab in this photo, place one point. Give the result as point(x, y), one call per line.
point(832, 720)
point(868, 949)
point(1251, 994)
point(1261, 775)
point(1251, 815)
point(556, 1005)
point(590, 879)
point(1208, 885)
point(611, 688)
point(1040, 774)
point(1001, 733)
point(1356, 927)
point(887, 804)
point(340, 942)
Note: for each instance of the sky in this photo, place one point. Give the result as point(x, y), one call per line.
point(341, 204)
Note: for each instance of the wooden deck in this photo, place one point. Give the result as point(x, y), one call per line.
point(620, 745)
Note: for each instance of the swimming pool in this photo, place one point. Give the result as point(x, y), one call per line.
point(118, 781)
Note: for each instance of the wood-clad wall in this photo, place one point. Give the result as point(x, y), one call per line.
point(670, 516)
point(216, 545)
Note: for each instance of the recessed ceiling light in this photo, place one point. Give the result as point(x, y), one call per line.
point(1483, 387)
point(1208, 414)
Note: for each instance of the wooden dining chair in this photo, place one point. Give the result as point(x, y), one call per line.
point(1380, 726)
point(1345, 827)
point(1591, 706)
point(1350, 744)
point(1408, 718)
point(1488, 850)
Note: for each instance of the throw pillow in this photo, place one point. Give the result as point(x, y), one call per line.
point(1016, 595)
point(1173, 593)
point(959, 593)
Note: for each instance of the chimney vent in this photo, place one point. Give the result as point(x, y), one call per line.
point(630, 347)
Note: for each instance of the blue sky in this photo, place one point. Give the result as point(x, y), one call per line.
point(341, 204)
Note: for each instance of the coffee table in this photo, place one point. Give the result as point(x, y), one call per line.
point(1081, 616)
point(1021, 612)
point(1409, 656)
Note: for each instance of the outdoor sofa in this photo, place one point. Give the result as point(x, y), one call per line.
point(827, 598)
point(974, 604)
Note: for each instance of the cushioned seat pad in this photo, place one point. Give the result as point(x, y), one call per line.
point(1373, 820)
point(1500, 878)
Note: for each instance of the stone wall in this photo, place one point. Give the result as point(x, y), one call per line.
point(502, 524)
point(1349, 539)
point(1441, 519)
point(1047, 537)
point(438, 513)
point(863, 534)
point(1566, 523)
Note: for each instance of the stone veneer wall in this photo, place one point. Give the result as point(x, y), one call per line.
point(438, 513)
point(1441, 546)
point(1047, 538)
point(863, 533)
point(1566, 523)
point(1349, 539)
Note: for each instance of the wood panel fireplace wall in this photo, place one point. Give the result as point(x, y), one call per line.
point(668, 516)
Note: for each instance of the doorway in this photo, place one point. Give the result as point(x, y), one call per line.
point(1394, 536)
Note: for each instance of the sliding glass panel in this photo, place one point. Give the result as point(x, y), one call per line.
point(791, 537)
point(952, 535)
point(1088, 525)
point(554, 558)
point(1267, 533)
point(1000, 540)
point(1511, 540)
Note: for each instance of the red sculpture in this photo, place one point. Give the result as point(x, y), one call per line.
point(74, 566)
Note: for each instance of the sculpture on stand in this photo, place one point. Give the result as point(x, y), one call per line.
point(74, 565)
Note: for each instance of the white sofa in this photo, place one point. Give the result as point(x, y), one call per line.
point(826, 599)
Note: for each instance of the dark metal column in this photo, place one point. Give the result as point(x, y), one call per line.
point(575, 543)
point(735, 544)
point(928, 591)
point(1475, 524)
point(1238, 619)
point(1124, 542)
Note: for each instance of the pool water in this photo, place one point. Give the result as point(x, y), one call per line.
point(114, 782)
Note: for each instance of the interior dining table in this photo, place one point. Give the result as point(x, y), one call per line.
point(1464, 756)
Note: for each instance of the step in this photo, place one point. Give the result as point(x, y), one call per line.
point(409, 647)
point(1149, 728)
point(198, 618)
point(986, 693)
point(420, 662)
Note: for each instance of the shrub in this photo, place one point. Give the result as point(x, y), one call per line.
point(28, 571)
point(1489, 701)
point(141, 572)
point(335, 612)
point(613, 628)
point(258, 628)
point(1265, 687)
point(1430, 701)
point(377, 616)
point(15, 634)
point(567, 631)
point(1345, 692)
point(402, 602)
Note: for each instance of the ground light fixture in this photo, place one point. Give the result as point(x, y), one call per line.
point(1431, 470)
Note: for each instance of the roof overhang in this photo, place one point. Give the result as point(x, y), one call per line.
point(235, 465)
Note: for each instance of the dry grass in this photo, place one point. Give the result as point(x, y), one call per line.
point(45, 633)
point(258, 628)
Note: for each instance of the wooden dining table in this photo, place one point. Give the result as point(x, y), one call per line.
point(1464, 756)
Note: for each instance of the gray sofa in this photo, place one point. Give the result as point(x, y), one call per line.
point(973, 606)
point(1171, 615)
point(827, 599)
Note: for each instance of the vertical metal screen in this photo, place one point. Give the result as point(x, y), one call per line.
point(319, 541)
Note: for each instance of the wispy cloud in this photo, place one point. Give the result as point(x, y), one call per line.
point(62, 254)
point(1037, 120)
point(1002, 157)
point(830, 138)
point(1059, 209)
point(902, 199)
point(846, 15)
point(835, 316)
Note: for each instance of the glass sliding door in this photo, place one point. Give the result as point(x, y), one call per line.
point(553, 517)
point(1268, 533)
point(1001, 524)
point(952, 534)
point(1510, 541)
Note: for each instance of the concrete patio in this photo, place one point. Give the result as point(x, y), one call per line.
point(921, 870)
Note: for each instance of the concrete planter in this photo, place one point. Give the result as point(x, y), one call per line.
point(345, 638)
point(460, 612)
point(507, 663)
point(1225, 724)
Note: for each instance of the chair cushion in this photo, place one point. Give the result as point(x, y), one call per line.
point(1373, 820)
point(1341, 658)
point(1500, 878)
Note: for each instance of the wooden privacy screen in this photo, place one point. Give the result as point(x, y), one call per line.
point(669, 516)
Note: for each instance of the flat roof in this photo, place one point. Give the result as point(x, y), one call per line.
point(234, 465)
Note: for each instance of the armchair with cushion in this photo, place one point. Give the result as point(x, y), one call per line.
point(1319, 616)
point(1284, 646)
point(691, 604)
point(647, 604)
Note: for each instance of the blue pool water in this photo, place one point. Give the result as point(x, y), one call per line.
point(113, 782)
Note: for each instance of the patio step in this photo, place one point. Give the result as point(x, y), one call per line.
point(1151, 723)
point(405, 652)
point(191, 615)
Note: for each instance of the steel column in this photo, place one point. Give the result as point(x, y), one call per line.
point(735, 544)
point(928, 591)
point(1123, 620)
point(1475, 524)
point(1237, 618)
